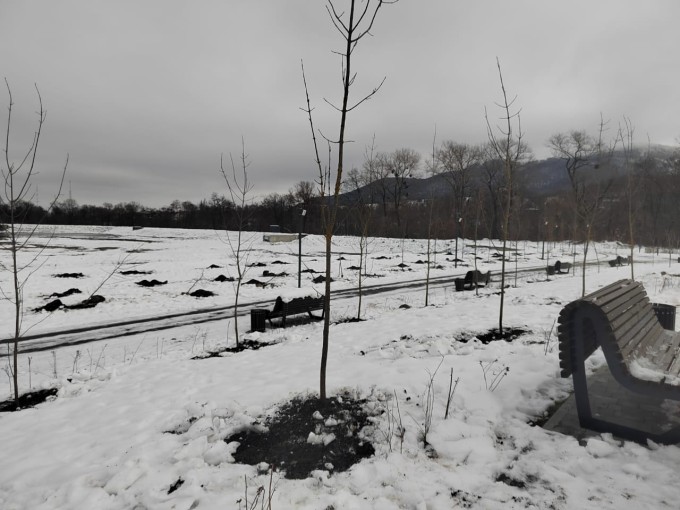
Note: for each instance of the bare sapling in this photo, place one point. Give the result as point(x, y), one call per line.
point(353, 24)
point(429, 224)
point(15, 201)
point(263, 495)
point(494, 373)
point(507, 144)
point(547, 335)
point(452, 390)
point(428, 401)
point(239, 188)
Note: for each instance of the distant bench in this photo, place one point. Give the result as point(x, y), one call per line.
point(472, 280)
point(284, 309)
point(619, 261)
point(558, 268)
point(642, 356)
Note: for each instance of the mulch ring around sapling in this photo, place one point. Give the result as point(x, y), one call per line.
point(244, 345)
point(151, 283)
point(27, 400)
point(69, 275)
point(305, 435)
point(201, 293)
point(508, 334)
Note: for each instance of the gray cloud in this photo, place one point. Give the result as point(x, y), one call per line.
point(145, 96)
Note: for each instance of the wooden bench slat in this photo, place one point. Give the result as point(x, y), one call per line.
point(646, 331)
point(622, 306)
point(663, 351)
point(674, 364)
point(642, 346)
point(625, 326)
point(606, 294)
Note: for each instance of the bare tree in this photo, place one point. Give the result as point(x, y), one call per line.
point(357, 182)
point(583, 155)
point(633, 185)
point(456, 161)
point(506, 142)
point(239, 188)
point(403, 164)
point(353, 24)
point(16, 200)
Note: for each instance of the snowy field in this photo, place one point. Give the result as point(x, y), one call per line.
point(103, 443)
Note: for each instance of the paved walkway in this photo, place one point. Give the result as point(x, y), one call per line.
point(612, 402)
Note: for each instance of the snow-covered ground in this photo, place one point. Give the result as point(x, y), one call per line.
point(103, 442)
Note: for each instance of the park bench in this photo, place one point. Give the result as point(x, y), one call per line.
point(558, 268)
point(619, 261)
point(642, 356)
point(472, 279)
point(284, 309)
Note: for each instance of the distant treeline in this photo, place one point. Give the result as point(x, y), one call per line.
point(641, 203)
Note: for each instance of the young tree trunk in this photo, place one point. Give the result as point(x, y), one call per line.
point(353, 26)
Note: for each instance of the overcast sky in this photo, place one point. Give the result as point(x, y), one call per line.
point(146, 95)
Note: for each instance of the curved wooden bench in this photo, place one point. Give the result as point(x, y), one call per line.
point(641, 355)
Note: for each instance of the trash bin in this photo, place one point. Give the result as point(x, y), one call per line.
point(665, 314)
point(258, 319)
point(460, 284)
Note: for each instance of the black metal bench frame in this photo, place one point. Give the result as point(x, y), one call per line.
point(283, 309)
point(558, 268)
point(620, 319)
point(473, 279)
point(619, 261)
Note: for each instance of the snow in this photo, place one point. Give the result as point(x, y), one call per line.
point(135, 414)
point(287, 295)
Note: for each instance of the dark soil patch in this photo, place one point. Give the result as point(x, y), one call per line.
point(135, 271)
point(69, 275)
point(270, 274)
point(27, 400)
point(354, 268)
point(404, 306)
point(514, 482)
point(90, 302)
point(309, 270)
point(285, 443)
point(50, 307)
point(349, 320)
point(151, 283)
point(402, 265)
point(245, 345)
point(68, 292)
point(257, 264)
point(508, 334)
point(279, 262)
point(175, 486)
point(341, 258)
point(255, 282)
point(382, 257)
point(201, 293)
point(222, 278)
point(320, 279)
point(214, 266)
